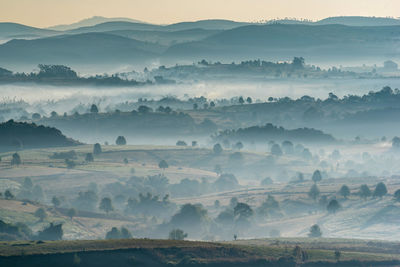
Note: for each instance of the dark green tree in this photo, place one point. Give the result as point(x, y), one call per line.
point(380, 190)
point(16, 159)
point(333, 206)
point(177, 234)
point(106, 205)
point(121, 141)
point(316, 177)
point(314, 192)
point(364, 191)
point(344, 191)
point(315, 231)
point(97, 149)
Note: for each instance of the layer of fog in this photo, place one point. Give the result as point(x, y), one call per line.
point(62, 99)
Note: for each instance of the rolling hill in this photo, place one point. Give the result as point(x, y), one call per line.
point(10, 30)
point(89, 22)
point(288, 40)
point(81, 48)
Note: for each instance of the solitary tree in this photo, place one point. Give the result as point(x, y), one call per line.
point(28, 184)
point(120, 140)
point(41, 214)
point(8, 194)
point(276, 150)
point(249, 100)
point(239, 145)
point(314, 192)
point(16, 159)
point(315, 231)
point(364, 192)
point(56, 201)
point(89, 157)
point(316, 177)
point(344, 191)
point(177, 234)
point(106, 205)
point(380, 190)
point(333, 206)
point(163, 164)
point(71, 213)
point(94, 109)
point(97, 149)
point(217, 149)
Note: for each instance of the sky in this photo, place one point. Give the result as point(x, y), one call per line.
point(44, 13)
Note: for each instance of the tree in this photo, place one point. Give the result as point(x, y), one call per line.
point(249, 100)
point(397, 195)
point(52, 232)
point(217, 149)
point(144, 109)
point(106, 205)
point(41, 214)
point(333, 206)
point(56, 201)
point(396, 142)
point(276, 150)
point(8, 195)
point(94, 109)
point(344, 191)
point(314, 192)
point(97, 149)
point(298, 62)
point(316, 177)
point(315, 231)
point(364, 191)
point(89, 157)
point(71, 213)
point(121, 141)
point(338, 254)
point(239, 145)
point(70, 163)
point(380, 190)
point(241, 100)
point(163, 164)
point(114, 233)
point(177, 234)
point(126, 161)
point(242, 211)
point(28, 184)
point(181, 143)
point(16, 159)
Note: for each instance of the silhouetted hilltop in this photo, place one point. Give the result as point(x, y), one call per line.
point(89, 22)
point(28, 135)
point(270, 132)
point(83, 48)
point(10, 30)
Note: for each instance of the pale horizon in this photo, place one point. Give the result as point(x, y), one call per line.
point(47, 13)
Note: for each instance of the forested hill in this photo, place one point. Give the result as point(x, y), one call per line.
point(15, 135)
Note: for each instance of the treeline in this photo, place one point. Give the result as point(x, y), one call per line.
point(64, 75)
point(294, 69)
point(271, 132)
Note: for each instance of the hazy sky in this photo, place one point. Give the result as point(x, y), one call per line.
point(43, 13)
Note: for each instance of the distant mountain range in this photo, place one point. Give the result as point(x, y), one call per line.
point(90, 22)
point(121, 40)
